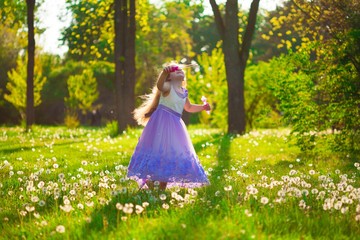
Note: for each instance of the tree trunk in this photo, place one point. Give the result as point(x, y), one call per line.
point(234, 75)
point(118, 61)
point(130, 65)
point(30, 114)
point(124, 62)
point(235, 59)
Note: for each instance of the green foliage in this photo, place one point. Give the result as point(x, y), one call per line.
point(319, 99)
point(318, 85)
point(112, 128)
point(17, 86)
point(71, 119)
point(203, 32)
point(210, 81)
point(260, 103)
point(82, 90)
point(13, 13)
point(104, 72)
point(9, 49)
point(91, 33)
point(56, 87)
point(163, 34)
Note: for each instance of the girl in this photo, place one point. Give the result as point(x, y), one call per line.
point(164, 155)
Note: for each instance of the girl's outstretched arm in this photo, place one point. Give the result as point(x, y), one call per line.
point(161, 83)
point(193, 108)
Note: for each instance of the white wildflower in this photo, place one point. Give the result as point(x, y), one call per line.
point(162, 197)
point(139, 209)
point(119, 206)
point(60, 229)
point(264, 200)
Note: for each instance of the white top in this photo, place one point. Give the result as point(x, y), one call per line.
point(174, 100)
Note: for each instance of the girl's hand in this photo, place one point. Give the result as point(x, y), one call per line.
point(171, 68)
point(207, 107)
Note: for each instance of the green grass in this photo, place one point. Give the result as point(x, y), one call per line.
point(262, 187)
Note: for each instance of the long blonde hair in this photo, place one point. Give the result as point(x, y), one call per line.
point(151, 101)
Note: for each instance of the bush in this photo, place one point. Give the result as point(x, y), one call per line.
point(319, 97)
point(71, 120)
point(112, 128)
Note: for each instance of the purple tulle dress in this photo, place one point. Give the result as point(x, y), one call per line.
point(164, 152)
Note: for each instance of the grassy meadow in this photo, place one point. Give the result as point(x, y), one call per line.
point(57, 183)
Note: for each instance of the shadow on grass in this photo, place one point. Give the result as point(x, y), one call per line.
point(223, 158)
point(19, 149)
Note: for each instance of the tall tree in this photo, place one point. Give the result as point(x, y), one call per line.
point(236, 55)
point(124, 61)
point(30, 113)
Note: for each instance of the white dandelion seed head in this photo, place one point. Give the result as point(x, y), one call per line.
point(139, 209)
point(253, 191)
point(174, 195)
point(264, 200)
point(41, 184)
point(66, 208)
point(43, 223)
point(314, 191)
point(344, 210)
point(127, 209)
point(247, 213)
point(23, 213)
point(119, 206)
point(358, 208)
point(60, 229)
point(162, 197)
point(338, 205)
point(35, 199)
point(41, 203)
point(305, 192)
point(30, 208)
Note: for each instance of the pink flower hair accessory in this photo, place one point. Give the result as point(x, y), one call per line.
point(174, 68)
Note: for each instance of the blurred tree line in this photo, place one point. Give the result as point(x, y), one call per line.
point(303, 66)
